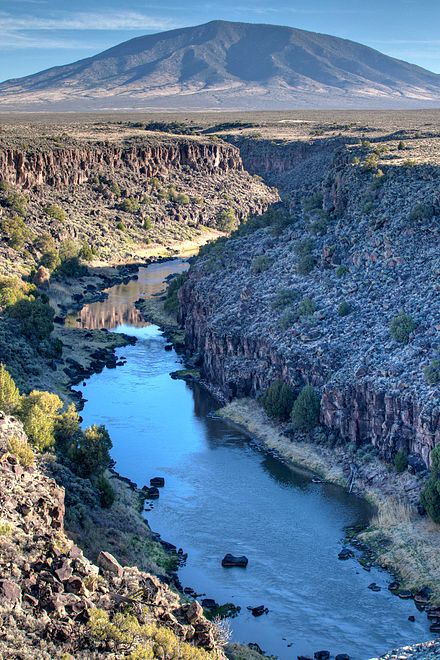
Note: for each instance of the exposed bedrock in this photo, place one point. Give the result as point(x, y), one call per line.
point(370, 251)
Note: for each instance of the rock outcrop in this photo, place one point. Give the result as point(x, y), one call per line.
point(310, 297)
point(55, 602)
point(64, 167)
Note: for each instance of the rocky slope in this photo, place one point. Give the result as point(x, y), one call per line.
point(309, 298)
point(228, 65)
point(125, 198)
point(54, 602)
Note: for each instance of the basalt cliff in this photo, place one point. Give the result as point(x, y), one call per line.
point(126, 194)
point(314, 294)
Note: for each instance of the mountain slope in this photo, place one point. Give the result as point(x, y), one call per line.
point(229, 65)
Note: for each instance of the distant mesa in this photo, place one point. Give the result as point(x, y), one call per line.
point(224, 65)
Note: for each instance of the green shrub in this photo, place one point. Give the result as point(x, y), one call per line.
point(401, 461)
point(401, 145)
point(341, 271)
point(9, 394)
point(130, 205)
point(21, 450)
point(15, 231)
point(120, 225)
point(92, 452)
point(87, 252)
point(56, 213)
point(106, 492)
point(115, 189)
point(304, 247)
point(35, 318)
point(305, 264)
point(306, 409)
point(430, 496)
point(278, 400)
point(50, 260)
point(344, 308)
point(17, 202)
point(307, 307)
point(67, 426)
point(260, 263)
point(319, 227)
point(401, 327)
point(171, 304)
point(12, 289)
point(39, 413)
point(422, 212)
point(313, 202)
point(284, 297)
point(69, 249)
point(147, 223)
point(432, 372)
point(226, 220)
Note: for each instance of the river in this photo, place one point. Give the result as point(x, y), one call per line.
point(224, 494)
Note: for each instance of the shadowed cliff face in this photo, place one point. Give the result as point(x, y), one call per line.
point(371, 245)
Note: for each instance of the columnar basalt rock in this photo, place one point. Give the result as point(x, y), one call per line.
point(62, 167)
point(366, 252)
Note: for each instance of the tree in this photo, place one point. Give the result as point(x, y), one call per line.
point(305, 411)
point(9, 394)
point(67, 425)
point(38, 414)
point(35, 318)
point(226, 220)
point(430, 496)
point(92, 453)
point(401, 327)
point(278, 400)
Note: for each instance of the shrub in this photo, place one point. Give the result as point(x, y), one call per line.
point(120, 225)
point(22, 450)
point(106, 492)
point(288, 318)
point(92, 452)
point(35, 318)
point(313, 202)
point(341, 271)
point(304, 247)
point(38, 413)
point(87, 252)
point(12, 289)
point(226, 220)
point(115, 189)
point(130, 205)
point(401, 461)
point(422, 212)
point(305, 411)
point(306, 264)
point(171, 304)
point(260, 263)
point(56, 213)
point(50, 260)
point(9, 394)
point(284, 297)
point(17, 202)
point(306, 307)
point(319, 227)
point(430, 496)
point(67, 426)
point(182, 199)
point(401, 145)
point(432, 372)
point(344, 308)
point(147, 223)
point(15, 231)
point(401, 327)
point(278, 400)
point(69, 249)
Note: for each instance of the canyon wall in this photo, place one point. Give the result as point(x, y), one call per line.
point(364, 252)
point(62, 167)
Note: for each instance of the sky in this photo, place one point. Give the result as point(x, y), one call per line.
point(38, 34)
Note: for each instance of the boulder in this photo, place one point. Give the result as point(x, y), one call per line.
point(230, 561)
point(108, 563)
point(345, 553)
point(259, 610)
point(159, 482)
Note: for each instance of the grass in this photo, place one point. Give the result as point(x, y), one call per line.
point(403, 542)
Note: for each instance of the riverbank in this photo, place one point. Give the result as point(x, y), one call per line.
point(403, 542)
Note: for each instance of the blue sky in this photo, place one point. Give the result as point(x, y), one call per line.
point(37, 34)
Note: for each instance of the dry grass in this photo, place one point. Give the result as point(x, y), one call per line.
point(249, 415)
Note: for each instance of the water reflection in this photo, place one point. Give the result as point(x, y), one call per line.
point(224, 495)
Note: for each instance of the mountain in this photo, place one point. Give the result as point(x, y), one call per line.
point(223, 65)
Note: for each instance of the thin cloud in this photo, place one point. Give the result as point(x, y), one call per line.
point(17, 41)
point(84, 21)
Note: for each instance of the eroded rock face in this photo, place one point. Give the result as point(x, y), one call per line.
point(48, 589)
point(366, 252)
point(63, 167)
